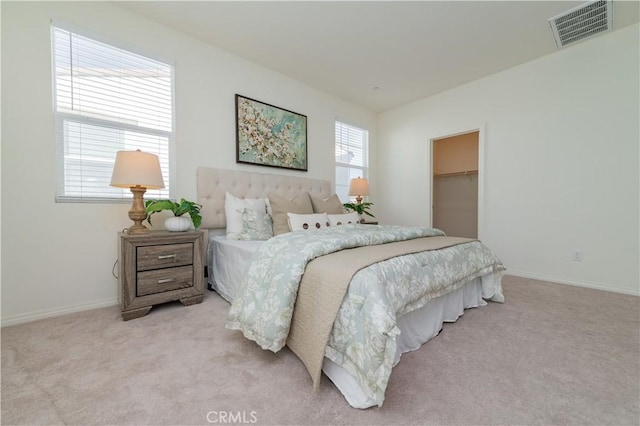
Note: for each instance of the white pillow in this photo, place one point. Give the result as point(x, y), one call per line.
point(233, 208)
point(302, 222)
point(343, 219)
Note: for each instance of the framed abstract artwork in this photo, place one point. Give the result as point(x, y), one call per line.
point(270, 136)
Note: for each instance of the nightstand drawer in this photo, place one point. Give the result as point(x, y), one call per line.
point(164, 256)
point(161, 280)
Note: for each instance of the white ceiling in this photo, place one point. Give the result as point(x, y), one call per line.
point(377, 54)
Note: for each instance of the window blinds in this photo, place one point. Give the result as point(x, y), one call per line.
point(107, 99)
point(351, 156)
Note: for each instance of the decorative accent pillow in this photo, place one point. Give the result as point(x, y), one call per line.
point(255, 225)
point(281, 206)
point(304, 222)
point(343, 219)
point(233, 208)
point(331, 205)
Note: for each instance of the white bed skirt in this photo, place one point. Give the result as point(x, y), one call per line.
point(419, 326)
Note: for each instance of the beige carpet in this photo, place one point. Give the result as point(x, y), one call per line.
point(553, 354)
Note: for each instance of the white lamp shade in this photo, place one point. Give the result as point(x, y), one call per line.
point(358, 187)
point(134, 168)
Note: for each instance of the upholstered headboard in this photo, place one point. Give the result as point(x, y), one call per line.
point(213, 184)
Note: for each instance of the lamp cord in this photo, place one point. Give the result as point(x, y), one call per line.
point(113, 270)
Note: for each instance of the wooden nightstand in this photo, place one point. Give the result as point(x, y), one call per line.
point(159, 267)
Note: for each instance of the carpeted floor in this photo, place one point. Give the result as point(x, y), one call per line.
point(552, 354)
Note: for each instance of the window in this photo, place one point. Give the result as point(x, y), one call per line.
point(352, 144)
point(107, 99)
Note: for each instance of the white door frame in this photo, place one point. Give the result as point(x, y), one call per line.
point(481, 163)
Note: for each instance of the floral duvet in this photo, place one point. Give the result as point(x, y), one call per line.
point(363, 340)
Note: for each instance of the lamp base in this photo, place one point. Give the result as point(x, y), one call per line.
point(137, 213)
point(137, 229)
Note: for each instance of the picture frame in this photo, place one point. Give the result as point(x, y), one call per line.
point(267, 135)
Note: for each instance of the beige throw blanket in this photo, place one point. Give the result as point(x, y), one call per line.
point(322, 289)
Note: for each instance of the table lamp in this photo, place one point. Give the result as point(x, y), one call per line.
point(138, 171)
point(358, 187)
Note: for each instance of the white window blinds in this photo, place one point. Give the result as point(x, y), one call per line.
point(107, 99)
point(351, 156)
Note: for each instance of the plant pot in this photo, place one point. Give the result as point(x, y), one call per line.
point(177, 224)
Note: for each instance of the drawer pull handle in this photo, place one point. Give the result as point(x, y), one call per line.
point(166, 256)
point(166, 280)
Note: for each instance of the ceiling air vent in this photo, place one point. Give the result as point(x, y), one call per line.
point(582, 22)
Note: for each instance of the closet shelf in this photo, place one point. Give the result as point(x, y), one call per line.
point(464, 173)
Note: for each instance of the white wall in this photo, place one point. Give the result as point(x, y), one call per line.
point(561, 159)
point(58, 257)
point(561, 138)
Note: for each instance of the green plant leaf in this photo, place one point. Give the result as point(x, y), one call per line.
point(155, 206)
point(362, 208)
point(195, 218)
point(178, 209)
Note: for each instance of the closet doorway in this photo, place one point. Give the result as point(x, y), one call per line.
point(455, 184)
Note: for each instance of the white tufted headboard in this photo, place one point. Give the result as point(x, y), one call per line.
point(213, 184)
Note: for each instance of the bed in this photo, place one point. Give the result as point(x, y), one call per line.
point(347, 299)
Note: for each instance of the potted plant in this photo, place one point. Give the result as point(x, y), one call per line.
point(360, 208)
point(178, 222)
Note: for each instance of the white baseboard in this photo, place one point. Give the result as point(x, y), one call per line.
point(586, 284)
point(48, 313)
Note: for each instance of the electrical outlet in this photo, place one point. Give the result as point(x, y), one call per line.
point(576, 256)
